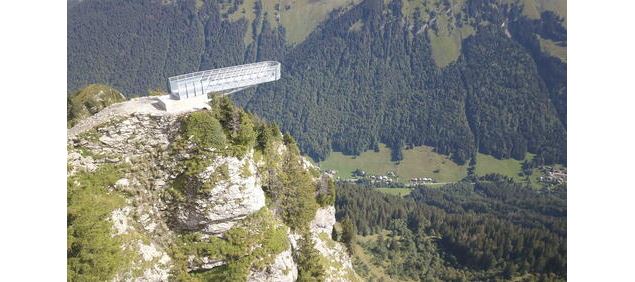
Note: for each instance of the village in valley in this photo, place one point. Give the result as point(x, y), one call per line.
point(553, 175)
point(548, 176)
point(390, 179)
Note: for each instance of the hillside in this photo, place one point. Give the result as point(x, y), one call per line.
point(208, 195)
point(463, 77)
point(490, 230)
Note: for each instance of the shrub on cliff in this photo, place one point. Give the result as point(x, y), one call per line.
point(310, 264)
point(89, 101)
point(204, 130)
point(92, 252)
point(252, 244)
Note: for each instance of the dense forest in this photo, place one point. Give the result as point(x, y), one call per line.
point(364, 76)
point(465, 231)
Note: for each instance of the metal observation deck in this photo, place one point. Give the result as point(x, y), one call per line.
point(226, 80)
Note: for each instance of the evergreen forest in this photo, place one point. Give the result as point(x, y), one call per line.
point(368, 73)
point(490, 229)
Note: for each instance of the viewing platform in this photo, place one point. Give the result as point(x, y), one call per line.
point(190, 90)
point(229, 79)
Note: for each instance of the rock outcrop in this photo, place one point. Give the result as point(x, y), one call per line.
point(283, 269)
point(339, 265)
point(211, 202)
point(228, 201)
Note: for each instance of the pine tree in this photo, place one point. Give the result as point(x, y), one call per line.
point(309, 266)
point(349, 233)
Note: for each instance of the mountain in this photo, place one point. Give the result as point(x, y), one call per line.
point(484, 76)
point(208, 195)
point(348, 90)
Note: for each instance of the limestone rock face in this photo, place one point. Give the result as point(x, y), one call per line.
point(339, 266)
point(160, 259)
point(203, 263)
point(149, 221)
point(119, 218)
point(324, 220)
point(283, 269)
point(229, 201)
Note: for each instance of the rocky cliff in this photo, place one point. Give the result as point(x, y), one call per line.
point(206, 195)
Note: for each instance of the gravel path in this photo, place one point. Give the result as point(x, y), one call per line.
point(146, 105)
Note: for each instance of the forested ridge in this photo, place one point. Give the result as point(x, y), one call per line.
point(491, 229)
point(365, 76)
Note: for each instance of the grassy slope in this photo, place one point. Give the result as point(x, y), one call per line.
point(446, 42)
point(246, 11)
point(445, 47)
point(421, 161)
point(302, 17)
point(418, 162)
point(395, 191)
point(306, 15)
point(509, 167)
point(488, 164)
point(550, 47)
point(533, 8)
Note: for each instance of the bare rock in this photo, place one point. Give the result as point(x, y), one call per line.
point(283, 269)
point(122, 183)
point(229, 201)
point(119, 218)
point(324, 220)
